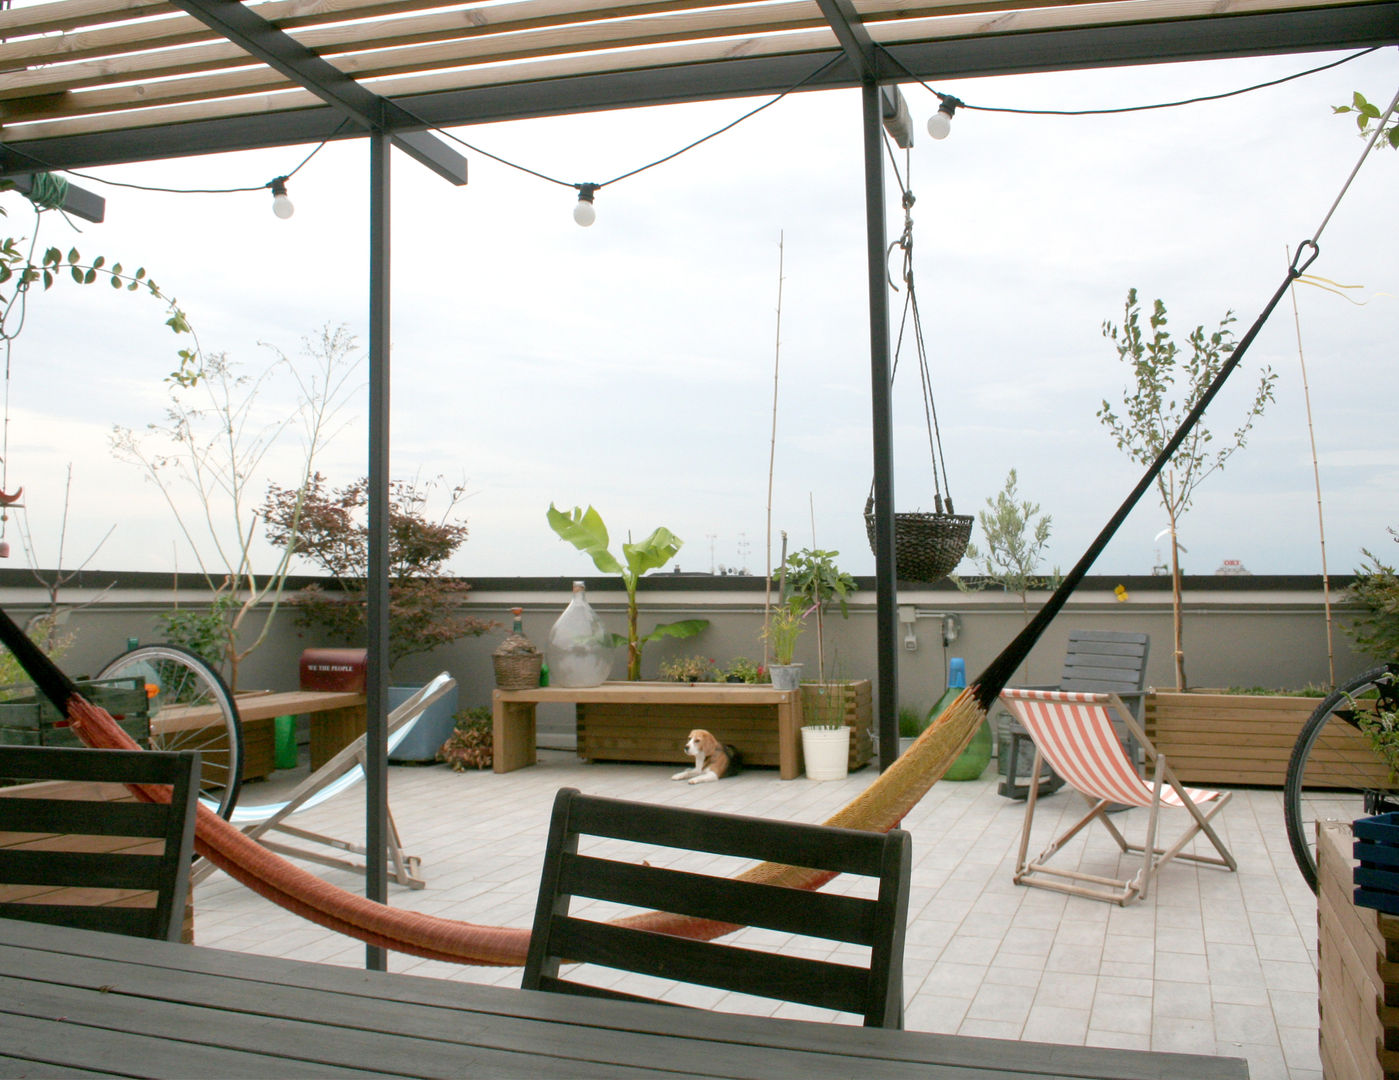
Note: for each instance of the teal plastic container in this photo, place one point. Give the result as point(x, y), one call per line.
point(972, 762)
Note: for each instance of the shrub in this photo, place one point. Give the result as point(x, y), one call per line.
point(469, 745)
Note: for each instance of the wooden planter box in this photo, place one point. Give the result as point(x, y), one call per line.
point(28, 719)
point(627, 731)
point(1357, 969)
point(1226, 738)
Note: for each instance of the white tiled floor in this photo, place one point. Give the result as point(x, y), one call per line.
point(1213, 962)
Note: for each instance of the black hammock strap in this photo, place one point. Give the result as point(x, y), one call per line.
point(993, 680)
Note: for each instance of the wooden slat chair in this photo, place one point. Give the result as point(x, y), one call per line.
point(1095, 662)
point(873, 990)
point(71, 860)
point(1077, 735)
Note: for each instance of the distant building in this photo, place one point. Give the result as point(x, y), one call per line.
point(1233, 566)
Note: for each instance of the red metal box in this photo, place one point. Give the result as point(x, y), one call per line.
point(334, 669)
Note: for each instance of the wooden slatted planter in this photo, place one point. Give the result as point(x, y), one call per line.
point(652, 731)
point(1227, 738)
point(1358, 971)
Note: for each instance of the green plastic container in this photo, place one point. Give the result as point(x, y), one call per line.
point(284, 732)
point(972, 762)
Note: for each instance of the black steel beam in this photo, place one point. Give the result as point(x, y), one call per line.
point(1215, 38)
point(278, 49)
point(855, 40)
point(76, 201)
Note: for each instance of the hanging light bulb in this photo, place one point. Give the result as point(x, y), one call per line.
point(940, 123)
point(281, 205)
point(584, 212)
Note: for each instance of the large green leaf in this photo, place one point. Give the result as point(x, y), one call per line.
point(585, 531)
point(685, 628)
point(652, 553)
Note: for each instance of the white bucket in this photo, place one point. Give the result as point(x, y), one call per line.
point(827, 752)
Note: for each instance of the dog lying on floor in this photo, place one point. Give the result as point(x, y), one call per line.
point(713, 759)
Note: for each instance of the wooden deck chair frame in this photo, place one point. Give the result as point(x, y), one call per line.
point(89, 862)
point(1075, 733)
point(873, 990)
point(342, 772)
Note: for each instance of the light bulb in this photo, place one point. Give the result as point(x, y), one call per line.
point(281, 205)
point(940, 123)
point(583, 211)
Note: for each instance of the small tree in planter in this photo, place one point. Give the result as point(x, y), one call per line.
point(1016, 534)
point(584, 529)
point(1168, 383)
point(1377, 589)
point(811, 581)
point(329, 530)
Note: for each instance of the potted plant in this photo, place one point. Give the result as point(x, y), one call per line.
point(743, 670)
point(688, 669)
point(825, 734)
point(811, 580)
point(785, 626)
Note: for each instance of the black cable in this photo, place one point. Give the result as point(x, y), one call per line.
point(1131, 108)
point(207, 191)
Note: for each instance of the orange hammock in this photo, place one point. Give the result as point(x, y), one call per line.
point(879, 808)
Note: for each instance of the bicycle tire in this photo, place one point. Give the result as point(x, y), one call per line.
point(179, 680)
point(1333, 773)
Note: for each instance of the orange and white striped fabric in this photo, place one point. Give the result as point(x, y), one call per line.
point(1074, 732)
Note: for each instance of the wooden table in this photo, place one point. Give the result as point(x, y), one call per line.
point(661, 715)
point(77, 1002)
point(337, 719)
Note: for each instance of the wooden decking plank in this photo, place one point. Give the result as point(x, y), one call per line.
point(817, 1049)
point(68, 1047)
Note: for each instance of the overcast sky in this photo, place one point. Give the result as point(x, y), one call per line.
point(630, 365)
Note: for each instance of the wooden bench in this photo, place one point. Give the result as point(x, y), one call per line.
point(648, 721)
point(337, 719)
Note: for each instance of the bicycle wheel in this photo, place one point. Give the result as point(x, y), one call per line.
point(1334, 773)
point(190, 709)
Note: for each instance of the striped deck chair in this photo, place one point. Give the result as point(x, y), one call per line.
point(1074, 733)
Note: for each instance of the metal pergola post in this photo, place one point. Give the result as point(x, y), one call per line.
point(881, 407)
point(376, 810)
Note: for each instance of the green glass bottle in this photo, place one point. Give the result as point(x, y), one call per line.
point(972, 761)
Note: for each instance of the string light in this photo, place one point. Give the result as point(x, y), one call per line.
point(940, 123)
point(583, 211)
point(281, 205)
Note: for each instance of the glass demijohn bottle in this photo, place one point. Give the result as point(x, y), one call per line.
point(579, 653)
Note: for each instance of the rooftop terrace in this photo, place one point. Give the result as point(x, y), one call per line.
point(1212, 962)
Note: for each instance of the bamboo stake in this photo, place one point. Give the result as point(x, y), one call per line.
point(772, 457)
point(1316, 476)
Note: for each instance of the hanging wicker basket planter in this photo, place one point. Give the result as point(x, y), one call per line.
point(927, 547)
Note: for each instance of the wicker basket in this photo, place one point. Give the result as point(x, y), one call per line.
point(927, 547)
point(520, 672)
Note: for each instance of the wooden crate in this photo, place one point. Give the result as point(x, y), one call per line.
point(27, 718)
point(1228, 738)
point(1357, 969)
point(858, 713)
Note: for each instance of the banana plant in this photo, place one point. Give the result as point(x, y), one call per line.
point(584, 529)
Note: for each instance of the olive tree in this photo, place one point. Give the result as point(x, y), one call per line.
point(1167, 381)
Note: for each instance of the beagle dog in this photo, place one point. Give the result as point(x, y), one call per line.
point(713, 760)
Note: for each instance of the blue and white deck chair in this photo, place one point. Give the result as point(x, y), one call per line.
point(342, 772)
